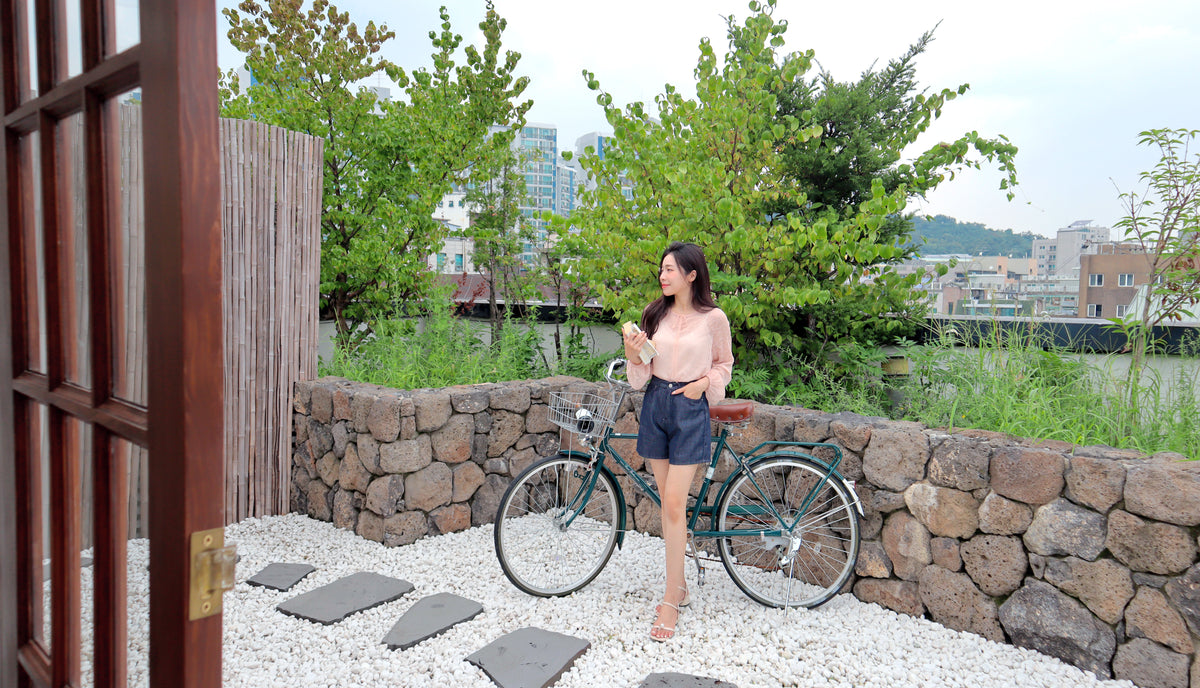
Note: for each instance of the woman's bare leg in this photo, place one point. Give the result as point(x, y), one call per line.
point(674, 483)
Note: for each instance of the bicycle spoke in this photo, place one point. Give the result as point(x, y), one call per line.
point(556, 526)
point(816, 551)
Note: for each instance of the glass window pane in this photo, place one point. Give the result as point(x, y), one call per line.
point(26, 8)
point(128, 24)
point(79, 440)
point(137, 578)
point(74, 39)
point(33, 297)
point(123, 124)
point(73, 251)
point(39, 454)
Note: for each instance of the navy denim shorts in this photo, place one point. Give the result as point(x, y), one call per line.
point(673, 426)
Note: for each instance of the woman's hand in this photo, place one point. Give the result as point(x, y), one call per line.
point(633, 346)
point(694, 390)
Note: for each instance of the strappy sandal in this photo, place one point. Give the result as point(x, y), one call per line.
point(686, 601)
point(670, 630)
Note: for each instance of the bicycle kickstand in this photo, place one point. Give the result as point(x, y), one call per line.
point(695, 555)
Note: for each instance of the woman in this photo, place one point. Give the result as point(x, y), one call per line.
point(692, 367)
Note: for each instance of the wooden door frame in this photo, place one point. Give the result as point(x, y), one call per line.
point(182, 424)
point(183, 304)
point(8, 472)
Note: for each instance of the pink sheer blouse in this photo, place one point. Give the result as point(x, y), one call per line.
point(690, 347)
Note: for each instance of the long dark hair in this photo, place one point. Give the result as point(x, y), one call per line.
point(689, 257)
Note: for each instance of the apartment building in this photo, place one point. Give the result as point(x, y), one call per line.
point(600, 144)
point(457, 250)
point(1109, 279)
point(550, 186)
point(1059, 256)
point(992, 285)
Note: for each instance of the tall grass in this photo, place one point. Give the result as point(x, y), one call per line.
point(438, 350)
point(1014, 382)
point(851, 380)
point(1011, 382)
point(441, 350)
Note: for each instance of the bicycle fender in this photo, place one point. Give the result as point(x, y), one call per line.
point(845, 483)
point(853, 493)
point(620, 495)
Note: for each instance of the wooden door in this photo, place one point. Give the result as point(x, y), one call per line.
point(111, 338)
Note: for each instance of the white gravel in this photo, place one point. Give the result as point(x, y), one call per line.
point(723, 635)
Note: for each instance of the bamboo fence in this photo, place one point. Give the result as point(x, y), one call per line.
point(271, 210)
point(271, 197)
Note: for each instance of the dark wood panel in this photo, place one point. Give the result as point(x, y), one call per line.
point(36, 664)
point(103, 185)
point(110, 585)
point(43, 44)
point(92, 26)
point(110, 473)
point(20, 201)
point(30, 526)
point(65, 499)
point(9, 486)
point(118, 416)
point(14, 46)
point(183, 422)
point(50, 173)
point(116, 74)
point(182, 202)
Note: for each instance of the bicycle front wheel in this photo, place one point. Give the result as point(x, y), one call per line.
point(802, 534)
point(557, 526)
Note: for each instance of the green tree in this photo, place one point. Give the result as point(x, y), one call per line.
point(494, 196)
point(720, 170)
point(558, 265)
point(387, 163)
point(1163, 220)
point(942, 234)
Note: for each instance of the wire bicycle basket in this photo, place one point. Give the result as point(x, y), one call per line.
point(584, 413)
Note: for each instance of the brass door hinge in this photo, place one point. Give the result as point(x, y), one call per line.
point(213, 566)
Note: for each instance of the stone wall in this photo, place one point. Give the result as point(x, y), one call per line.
point(1088, 554)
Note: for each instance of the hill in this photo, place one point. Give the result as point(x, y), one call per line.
point(942, 234)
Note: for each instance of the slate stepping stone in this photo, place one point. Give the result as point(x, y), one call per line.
point(676, 680)
point(430, 616)
point(529, 657)
point(281, 576)
point(331, 603)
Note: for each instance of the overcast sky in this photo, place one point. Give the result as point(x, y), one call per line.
point(1070, 83)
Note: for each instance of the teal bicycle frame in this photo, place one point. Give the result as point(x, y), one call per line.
point(744, 461)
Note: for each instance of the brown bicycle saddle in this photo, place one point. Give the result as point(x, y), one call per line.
point(732, 413)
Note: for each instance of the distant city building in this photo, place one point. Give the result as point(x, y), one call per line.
point(1077, 274)
point(991, 285)
point(600, 144)
point(381, 92)
point(245, 78)
point(1056, 296)
point(456, 256)
point(550, 186)
point(1059, 257)
point(597, 142)
point(564, 195)
point(1110, 279)
point(537, 144)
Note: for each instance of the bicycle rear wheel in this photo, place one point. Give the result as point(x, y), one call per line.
point(811, 553)
point(556, 526)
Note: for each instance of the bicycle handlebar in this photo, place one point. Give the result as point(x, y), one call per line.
point(615, 366)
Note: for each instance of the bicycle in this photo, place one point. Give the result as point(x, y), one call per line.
point(786, 524)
